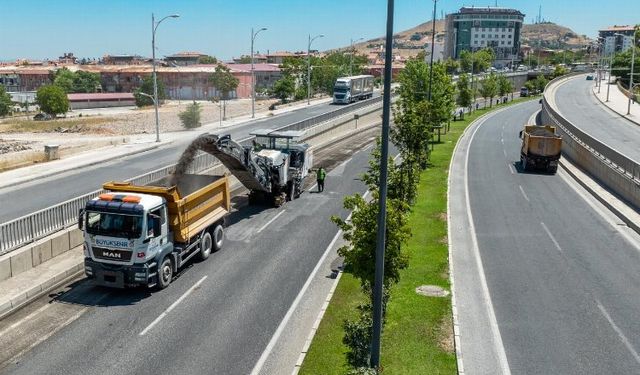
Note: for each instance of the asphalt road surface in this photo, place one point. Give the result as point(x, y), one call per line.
point(562, 274)
point(576, 103)
point(59, 188)
point(215, 318)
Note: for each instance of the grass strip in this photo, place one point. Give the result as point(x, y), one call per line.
point(418, 335)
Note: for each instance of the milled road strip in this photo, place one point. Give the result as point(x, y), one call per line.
point(271, 221)
point(23, 320)
point(173, 305)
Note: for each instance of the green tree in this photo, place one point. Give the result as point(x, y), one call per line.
point(284, 88)
point(147, 88)
point(489, 88)
point(52, 100)
point(465, 92)
point(559, 70)
point(207, 60)
point(5, 102)
point(531, 86)
point(504, 85)
point(245, 59)
point(64, 79)
point(540, 83)
point(451, 66)
point(225, 82)
point(621, 66)
point(191, 116)
point(86, 82)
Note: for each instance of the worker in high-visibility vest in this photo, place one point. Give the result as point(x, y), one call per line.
point(321, 174)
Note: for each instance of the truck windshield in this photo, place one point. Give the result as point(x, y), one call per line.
point(114, 225)
point(340, 90)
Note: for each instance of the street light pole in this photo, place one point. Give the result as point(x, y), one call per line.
point(609, 76)
point(253, 76)
point(351, 55)
point(378, 285)
point(433, 41)
point(309, 66)
point(633, 60)
point(154, 27)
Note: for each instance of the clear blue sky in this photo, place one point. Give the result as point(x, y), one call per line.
point(46, 28)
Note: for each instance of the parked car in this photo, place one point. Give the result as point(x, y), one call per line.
point(42, 117)
point(590, 77)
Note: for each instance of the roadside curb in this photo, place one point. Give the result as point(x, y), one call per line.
point(88, 164)
point(583, 178)
point(37, 291)
point(611, 109)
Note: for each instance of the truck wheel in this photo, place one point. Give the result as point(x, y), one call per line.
point(206, 244)
point(218, 237)
point(523, 163)
point(292, 191)
point(165, 273)
point(552, 170)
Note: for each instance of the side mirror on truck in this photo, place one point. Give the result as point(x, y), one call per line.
point(80, 218)
point(520, 134)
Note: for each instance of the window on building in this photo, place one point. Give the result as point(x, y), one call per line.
point(503, 29)
point(483, 35)
point(503, 36)
point(509, 29)
point(502, 42)
point(509, 42)
point(497, 36)
point(475, 42)
point(483, 29)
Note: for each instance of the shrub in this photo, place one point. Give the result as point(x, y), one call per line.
point(191, 116)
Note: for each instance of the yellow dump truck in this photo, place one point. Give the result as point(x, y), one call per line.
point(142, 235)
point(541, 148)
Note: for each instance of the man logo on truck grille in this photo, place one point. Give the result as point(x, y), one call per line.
point(109, 254)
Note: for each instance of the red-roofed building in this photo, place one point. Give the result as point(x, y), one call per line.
point(101, 100)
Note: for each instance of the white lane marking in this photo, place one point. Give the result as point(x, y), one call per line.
point(624, 339)
point(502, 140)
point(553, 239)
point(493, 322)
point(270, 221)
point(173, 305)
point(276, 335)
point(511, 168)
point(504, 152)
point(19, 322)
point(523, 193)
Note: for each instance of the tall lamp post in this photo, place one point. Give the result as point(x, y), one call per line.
point(433, 41)
point(351, 55)
point(633, 60)
point(253, 76)
point(154, 27)
point(609, 76)
point(309, 66)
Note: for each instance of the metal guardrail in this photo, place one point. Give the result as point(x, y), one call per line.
point(30, 228)
point(615, 170)
point(601, 150)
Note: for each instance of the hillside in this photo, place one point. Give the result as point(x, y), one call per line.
point(409, 42)
point(552, 36)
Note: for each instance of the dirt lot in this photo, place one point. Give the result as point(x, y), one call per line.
point(131, 121)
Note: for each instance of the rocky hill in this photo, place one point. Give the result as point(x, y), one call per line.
point(552, 36)
point(409, 42)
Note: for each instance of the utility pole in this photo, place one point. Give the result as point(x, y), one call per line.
point(609, 77)
point(309, 66)
point(382, 206)
point(253, 75)
point(433, 41)
point(154, 27)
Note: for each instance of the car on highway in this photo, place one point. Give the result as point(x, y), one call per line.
point(590, 77)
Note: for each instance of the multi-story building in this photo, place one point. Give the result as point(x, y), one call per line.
point(617, 38)
point(472, 29)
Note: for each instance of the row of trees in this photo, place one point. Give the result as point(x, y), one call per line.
point(415, 119)
point(324, 72)
point(77, 82)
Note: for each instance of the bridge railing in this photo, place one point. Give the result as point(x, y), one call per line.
point(611, 167)
point(32, 227)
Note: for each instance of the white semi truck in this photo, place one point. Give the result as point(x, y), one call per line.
point(350, 89)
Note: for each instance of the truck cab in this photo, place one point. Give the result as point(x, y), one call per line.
point(127, 230)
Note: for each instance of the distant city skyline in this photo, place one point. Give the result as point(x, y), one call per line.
point(39, 29)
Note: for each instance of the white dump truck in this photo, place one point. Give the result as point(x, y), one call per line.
point(142, 235)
